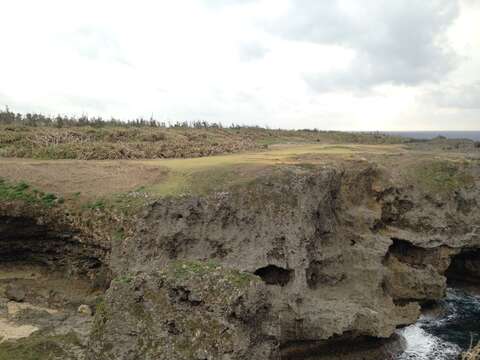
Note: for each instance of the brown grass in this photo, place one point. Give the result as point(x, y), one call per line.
point(162, 177)
point(114, 143)
point(88, 143)
point(83, 179)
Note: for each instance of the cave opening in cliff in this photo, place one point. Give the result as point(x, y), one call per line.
point(348, 345)
point(49, 281)
point(464, 268)
point(274, 275)
point(27, 242)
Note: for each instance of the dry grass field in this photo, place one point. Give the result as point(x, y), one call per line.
point(117, 142)
point(161, 177)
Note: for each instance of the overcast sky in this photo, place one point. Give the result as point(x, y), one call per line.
point(338, 64)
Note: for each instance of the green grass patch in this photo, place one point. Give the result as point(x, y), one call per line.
point(98, 204)
point(191, 269)
point(441, 177)
point(118, 235)
point(185, 269)
point(124, 279)
point(23, 191)
point(202, 180)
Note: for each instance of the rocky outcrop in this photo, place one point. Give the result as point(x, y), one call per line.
point(322, 265)
point(290, 264)
point(340, 250)
point(415, 273)
point(188, 311)
point(465, 266)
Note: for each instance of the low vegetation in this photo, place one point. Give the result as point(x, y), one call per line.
point(23, 191)
point(41, 347)
point(441, 176)
point(91, 180)
point(184, 270)
point(41, 137)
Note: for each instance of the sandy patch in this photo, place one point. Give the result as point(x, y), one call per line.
point(11, 331)
point(15, 307)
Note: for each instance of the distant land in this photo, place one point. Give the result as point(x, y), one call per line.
point(472, 135)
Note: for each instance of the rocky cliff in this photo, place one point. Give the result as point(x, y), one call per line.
point(344, 253)
point(307, 259)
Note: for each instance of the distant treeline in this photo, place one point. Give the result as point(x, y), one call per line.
point(8, 117)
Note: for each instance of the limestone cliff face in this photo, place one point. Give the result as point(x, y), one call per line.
point(343, 252)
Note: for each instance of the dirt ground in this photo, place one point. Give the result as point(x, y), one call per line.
point(89, 178)
point(100, 178)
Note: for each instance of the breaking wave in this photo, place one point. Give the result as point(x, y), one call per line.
point(444, 336)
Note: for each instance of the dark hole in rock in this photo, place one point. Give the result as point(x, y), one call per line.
point(24, 240)
point(345, 346)
point(408, 253)
point(274, 275)
point(402, 248)
point(464, 267)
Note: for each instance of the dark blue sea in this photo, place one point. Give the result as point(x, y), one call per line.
point(472, 135)
point(445, 336)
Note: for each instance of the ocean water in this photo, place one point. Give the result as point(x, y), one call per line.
point(472, 135)
point(445, 336)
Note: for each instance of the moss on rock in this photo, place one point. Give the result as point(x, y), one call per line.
point(441, 176)
point(190, 310)
point(42, 347)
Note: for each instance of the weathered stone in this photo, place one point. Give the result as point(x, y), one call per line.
point(156, 316)
point(15, 292)
point(321, 239)
point(341, 251)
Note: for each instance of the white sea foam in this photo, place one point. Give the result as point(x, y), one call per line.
point(421, 345)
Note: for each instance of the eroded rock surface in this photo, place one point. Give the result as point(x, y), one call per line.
point(285, 266)
point(189, 311)
point(341, 250)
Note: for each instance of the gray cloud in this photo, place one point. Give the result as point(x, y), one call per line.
point(399, 42)
point(465, 96)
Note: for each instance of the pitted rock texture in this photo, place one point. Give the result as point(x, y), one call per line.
point(341, 250)
point(279, 267)
point(189, 311)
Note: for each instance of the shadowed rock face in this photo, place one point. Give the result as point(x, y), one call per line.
point(415, 273)
point(46, 277)
point(465, 267)
point(25, 239)
point(274, 275)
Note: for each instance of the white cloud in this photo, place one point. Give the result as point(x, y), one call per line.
point(281, 63)
point(398, 42)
